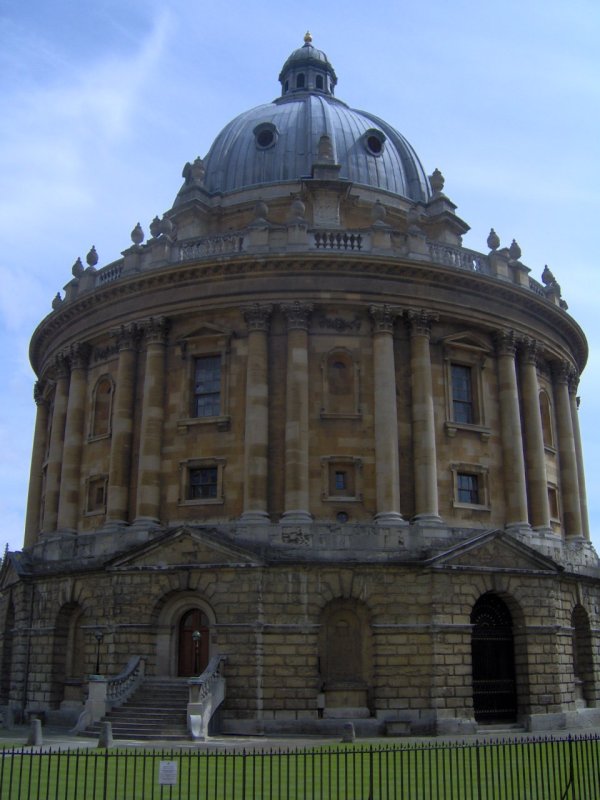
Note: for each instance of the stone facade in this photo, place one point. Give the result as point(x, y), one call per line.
point(305, 411)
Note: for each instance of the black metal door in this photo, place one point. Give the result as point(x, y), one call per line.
point(492, 647)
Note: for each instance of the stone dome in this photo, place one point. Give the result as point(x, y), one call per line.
point(282, 141)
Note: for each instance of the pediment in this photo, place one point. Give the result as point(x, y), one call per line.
point(185, 547)
point(494, 550)
point(467, 340)
point(206, 329)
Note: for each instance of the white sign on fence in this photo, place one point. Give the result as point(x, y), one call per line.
point(167, 773)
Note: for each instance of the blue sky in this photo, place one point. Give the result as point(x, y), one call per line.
point(104, 102)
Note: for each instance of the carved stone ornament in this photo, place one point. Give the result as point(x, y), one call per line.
point(384, 317)
point(127, 336)
point(258, 316)
point(436, 181)
point(92, 257)
point(562, 371)
point(137, 235)
point(419, 322)
point(79, 354)
point(57, 302)
point(493, 240)
point(77, 269)
point(61, 365)
point(514, 251)
point(38, 393)
point(297, 315)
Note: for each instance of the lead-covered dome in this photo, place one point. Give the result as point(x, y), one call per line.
point(281, 141)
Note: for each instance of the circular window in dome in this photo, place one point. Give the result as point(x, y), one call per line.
point(265, 135)
point(374, 141)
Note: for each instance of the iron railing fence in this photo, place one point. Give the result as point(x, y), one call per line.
point(541, 769)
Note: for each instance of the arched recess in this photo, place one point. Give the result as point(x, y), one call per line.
point(583, 659)
point(177, 616)
point(68, 657)
point(7, 654)
point(346, 658)
point(340, 384)
point(102, 407)
point(493, 661)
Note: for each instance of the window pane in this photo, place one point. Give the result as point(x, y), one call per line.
point(468, 488)
point(462, 394)
point(203, 483)
point(207, 388)
point(340, 480)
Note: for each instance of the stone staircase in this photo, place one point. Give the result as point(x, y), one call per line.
point(157, 710)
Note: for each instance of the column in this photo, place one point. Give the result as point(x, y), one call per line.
point(515, 486)
point(297, 500)
point(423, 421)
point(387, 467)
point(38, 453)
point(55, 451)
point(574, 401)
point(256, 437)
point(569, 485)
point(70, 476)
point(148, 485)
point(535, 455)
point(119, 471)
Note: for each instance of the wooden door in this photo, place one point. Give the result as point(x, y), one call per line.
point(193, 655)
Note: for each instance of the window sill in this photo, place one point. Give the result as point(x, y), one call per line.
point(342, 498)
point(221, 423)
point(333, 415)
point(471, 506)
point(452, 428)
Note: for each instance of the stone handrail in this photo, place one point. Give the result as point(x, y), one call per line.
point(459, 257)
point(206, 693)
point(338, 240)
point(123, 685)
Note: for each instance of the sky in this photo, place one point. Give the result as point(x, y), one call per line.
point(104, 102)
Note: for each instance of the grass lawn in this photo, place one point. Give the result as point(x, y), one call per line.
point(543, 770)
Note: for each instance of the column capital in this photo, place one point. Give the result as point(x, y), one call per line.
point(39, 388)
point(384, 317)
point(155, 329)
point(79, 354)
point(61, 365)
point(419, 322)
point(506, 343)
point(530, 350)
point(574, 383)
point(258, 316)
point(562, 371)
point(297, 314)
point(127, 336)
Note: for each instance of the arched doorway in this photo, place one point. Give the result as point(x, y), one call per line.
point(583, 658)
point(193, 650)
point(493, 660)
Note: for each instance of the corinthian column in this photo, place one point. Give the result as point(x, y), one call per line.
point(571, 504)
point(148, 486)
point(70, 477)
point(535, 456)
point(515, 487)
point(55, 451)
point(574, 402)
point(297, 500)
point(119, 471)
point(34, 498)
point(424, 451)
point(256, 438)
point(387, 467)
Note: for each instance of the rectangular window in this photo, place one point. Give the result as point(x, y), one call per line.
point(207, 387)
point(467, 488)
point(203, 483)
point(96, 494)
point(462, 394)
point(553, 503)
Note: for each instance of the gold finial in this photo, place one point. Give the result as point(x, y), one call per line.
point(307, 37)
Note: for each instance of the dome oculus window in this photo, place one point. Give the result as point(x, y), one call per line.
point(374, 141)
point(265, 135)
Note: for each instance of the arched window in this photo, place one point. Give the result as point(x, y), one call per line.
point(300, 81)
point(340, 384)
point(546, 415)
point(102, 407)
point(319, 82)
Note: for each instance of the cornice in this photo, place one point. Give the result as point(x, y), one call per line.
point(400, 270)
